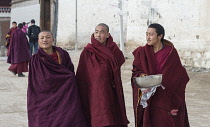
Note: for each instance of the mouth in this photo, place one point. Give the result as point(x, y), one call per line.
point(45, 43)
point(98, 39)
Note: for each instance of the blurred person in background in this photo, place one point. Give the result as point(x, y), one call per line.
point(18, 54)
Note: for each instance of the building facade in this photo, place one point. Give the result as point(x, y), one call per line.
point(73, 21)
point(5, 13)
point(25, 10)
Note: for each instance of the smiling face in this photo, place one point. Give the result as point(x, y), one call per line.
point(45, 40)
point(14, 25)
point(101, 34)
point(152, 37)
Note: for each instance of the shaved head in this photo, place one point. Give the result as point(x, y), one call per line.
point(104, 25)
point(47, 32)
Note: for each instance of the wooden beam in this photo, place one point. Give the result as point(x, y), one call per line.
point(45, 15)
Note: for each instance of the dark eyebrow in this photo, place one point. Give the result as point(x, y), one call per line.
point(99, 31)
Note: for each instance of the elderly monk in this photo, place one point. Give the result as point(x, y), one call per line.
point(166, 108)
point(99, 81)
point(18, 55)
point(52, 98)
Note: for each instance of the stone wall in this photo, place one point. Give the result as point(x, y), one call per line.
point(185, 22)
point(195, 58)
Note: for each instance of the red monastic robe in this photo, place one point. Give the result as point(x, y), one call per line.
point(100, 87)
point(9, 36)
point(52, 96)
point(18, 54)
point(175, 78)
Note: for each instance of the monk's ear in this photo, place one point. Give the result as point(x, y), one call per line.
point(108, 35)
point(160, 36)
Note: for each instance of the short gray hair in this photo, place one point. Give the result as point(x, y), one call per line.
point(103, 24)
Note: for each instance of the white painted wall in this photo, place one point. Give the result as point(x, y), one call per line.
point(90, 13)
point(26, 13)
point(184, 21)
point(5, 15)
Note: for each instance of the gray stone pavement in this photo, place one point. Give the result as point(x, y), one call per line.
point(13, 95)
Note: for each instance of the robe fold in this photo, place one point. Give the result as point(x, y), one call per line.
point(9, 36)
point(52, 97)
point(18, 54)
point(175, 78)
point(100, 86)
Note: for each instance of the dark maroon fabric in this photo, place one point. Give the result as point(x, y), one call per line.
point(52, 98)
point(19, 67)
point(18, 48)
point(161, 57)
point(54, 56)
point(100, 87)
point(117, 126)
point(11, 31)
point(174, 80)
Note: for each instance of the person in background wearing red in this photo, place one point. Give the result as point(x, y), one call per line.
point(18, 55)
point(25, 28)
point(9, 34)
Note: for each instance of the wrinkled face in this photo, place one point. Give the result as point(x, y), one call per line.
point(14, 25)
point(45, 40)
point(152, 37)
point(101, 34)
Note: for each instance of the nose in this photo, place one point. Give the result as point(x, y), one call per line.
point(45, 38)
point(147, 37)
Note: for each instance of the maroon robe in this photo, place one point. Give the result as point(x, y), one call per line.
point(9, 36)
point(100, 87)
point(54, 56)
point(52, 98)
point(18, 54)
point(175, 78)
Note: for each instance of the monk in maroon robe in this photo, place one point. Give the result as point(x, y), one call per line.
point(52, 98)
point(99, 81)
point(18, 55)
point(166, 108)
point(9, 34)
